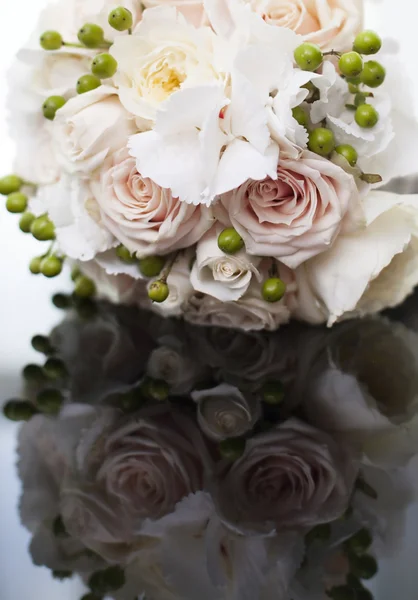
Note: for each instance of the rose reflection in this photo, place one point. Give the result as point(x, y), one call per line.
point(212, 464)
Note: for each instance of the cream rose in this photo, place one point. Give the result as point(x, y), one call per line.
point(294, 476)
point(295, 217)
point(175, 365)
point(164, 54)
point(332, 24)
point(224, 412)
point(225, 277)
point(364, 385)
point(70, 205)
point(89, 128)
point(249, 313)
point(373, 268)
point(143, 216)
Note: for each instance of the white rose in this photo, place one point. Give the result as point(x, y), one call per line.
point(224, 412)
point(294, 476)
point(118, 288)
point(370, 269)
point(89, 128)
point(74, 212)
point(164, 54)
point(175, 365)
point(144, 217)
point(249, 313)
point(223, 276)
point(364, 386)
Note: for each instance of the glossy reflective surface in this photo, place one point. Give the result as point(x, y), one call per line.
point(183, 462)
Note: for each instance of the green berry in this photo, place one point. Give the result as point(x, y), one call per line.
point(156, 389)
point(35, 265)
point(367, 42)
point(41, 344)
point(108, 580)
point(124, 254)
point(232, 449)
point(75, 272)
point(51, 40)
point(51, 106)
point(349, 153)
point(301, 116)
point(87, 83)
point(363, 566)
point(26, 221)
point(50, 401)
point(55, 369)
point(34, 374)
point(320, 533)
point(61, 301)
point(272, 392)
point(158, 291)
point(121, 19)
point(17, 202)
point(351, 64)
point(19, 410)
point(360, 542)
point(10, 184)
point(360, 99)
point(104, 66)
point(366, 116)
point(84, 287)
point(151, 266)
point(352, 88)
point(58, 528)
point(273, 289)
point(51, 266)
point(373, 74)
point(308, 56)
point(91, 35)
point(43, 229)
point(230, 241)
point(321, 141)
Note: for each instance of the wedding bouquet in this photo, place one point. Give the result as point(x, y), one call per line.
point(219, 160)
point(170, 462)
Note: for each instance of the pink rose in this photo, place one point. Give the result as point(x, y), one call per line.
point(295, 217)
point(142, 215)
point(332, 24)
point(293, 476)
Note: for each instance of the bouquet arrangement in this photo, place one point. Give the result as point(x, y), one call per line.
point(218, 160)
point(165, 461)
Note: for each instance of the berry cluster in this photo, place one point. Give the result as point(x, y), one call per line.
point(359, 76)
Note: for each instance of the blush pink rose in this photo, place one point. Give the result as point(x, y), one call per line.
point(294, 476)
point(295, 217)
point(332, 24)
point(143, 216)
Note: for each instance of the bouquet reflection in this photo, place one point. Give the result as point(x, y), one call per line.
point(165, 461)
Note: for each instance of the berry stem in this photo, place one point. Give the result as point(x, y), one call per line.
point(273, 271)
point(106, 45)
point(166, 272)
point(130, 30)
point(371, 178)
point(333, 53)
point(71, 45)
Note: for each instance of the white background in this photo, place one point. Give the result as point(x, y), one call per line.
point(25, 309)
